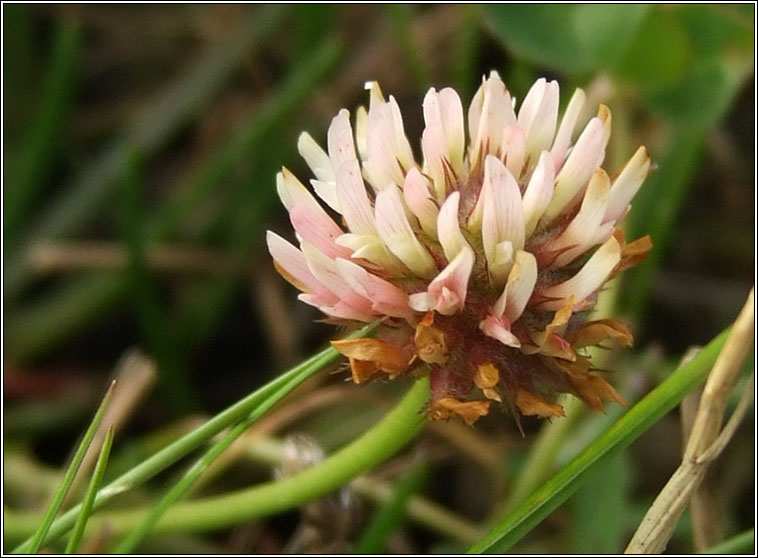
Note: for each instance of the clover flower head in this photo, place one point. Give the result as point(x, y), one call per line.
point(483, 261)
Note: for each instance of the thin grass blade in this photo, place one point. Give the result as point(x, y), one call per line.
point(39, 536)
point(89, 498)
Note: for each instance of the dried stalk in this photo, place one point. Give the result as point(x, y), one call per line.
point(706, 441)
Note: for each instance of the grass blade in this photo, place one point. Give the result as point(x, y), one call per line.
point(39, 536)
point(566, 481)
point(89, 498)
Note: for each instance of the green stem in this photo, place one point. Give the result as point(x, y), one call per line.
point(378, 444)
point(188, 479)
point(192, 440)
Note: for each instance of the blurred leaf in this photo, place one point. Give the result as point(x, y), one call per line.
point(717, 30)
point(605, 31)
point(655, 212)
point(157, 335)
point(158, 123)
point(659, 53)
point(742, 543)
point(541, 33)
point(19, 63)
point(390, 516)
point(702, 96)
point(32, 163)
point(565, 37)
point(598, 508)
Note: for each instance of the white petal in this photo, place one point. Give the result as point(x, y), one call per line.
point(327, 191)
point(490, 112)
point(502, 215)
point(627, 184)
point(514, 147)
point(538, 192)
point(448, 228)
point(538, 116)
point(585, 230)
point(519, 287)
point(371, 248)
point(443, 138)
point(397, 234)
point(315, 157)
point(578, 168)
point(589, 279)
point(361, 125)
point(419, 201)
point(566, 129)
point(340, 140)
point(353, 199)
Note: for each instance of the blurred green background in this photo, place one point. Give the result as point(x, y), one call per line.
point(140, 149)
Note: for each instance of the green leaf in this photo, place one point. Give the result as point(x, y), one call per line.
point(628, 428)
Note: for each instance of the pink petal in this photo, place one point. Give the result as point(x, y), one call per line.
point(566, 129)
point(448, 228)
point(500, 329)
point(419, 201)
point(397, 234)
point(292, 261)
point(308, 218)
point(353, 199)
point(324, 269)
point(626, 185)
point(588, 280)
point(446, 294)
point(578, 168)
point(386, 298)
point(538, 192)
point(502, 215)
